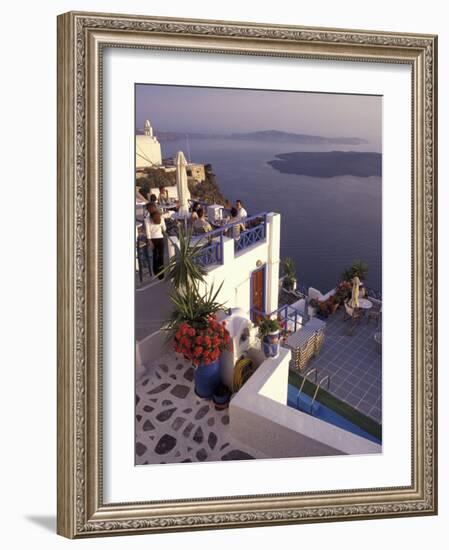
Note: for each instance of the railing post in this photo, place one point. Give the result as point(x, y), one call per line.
point(221, 247)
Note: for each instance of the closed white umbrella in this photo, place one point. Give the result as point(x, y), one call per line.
point(355, 292)
point(181, 184)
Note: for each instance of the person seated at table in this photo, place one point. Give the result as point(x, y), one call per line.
point(155, 228)
point(201, 225)
point(241, 212)
point(153, 198)
point(237, 228)
point(163, 196)
point(195, 208)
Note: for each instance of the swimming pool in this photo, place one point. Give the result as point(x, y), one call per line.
point(303, 403)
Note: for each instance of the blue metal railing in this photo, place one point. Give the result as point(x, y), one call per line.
point(211, 253)
point(251, 236)
point(284, 314)
point(255, 231)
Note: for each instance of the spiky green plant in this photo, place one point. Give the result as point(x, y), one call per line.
point(288, 266)
point(182, 270)
point(266, 326)
point(193, 307)
point(358, 269)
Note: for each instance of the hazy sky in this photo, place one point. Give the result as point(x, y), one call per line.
point(221, 110)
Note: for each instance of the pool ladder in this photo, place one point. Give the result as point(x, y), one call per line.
point(317, 387)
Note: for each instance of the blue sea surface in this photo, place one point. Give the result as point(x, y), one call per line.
point(326, 223)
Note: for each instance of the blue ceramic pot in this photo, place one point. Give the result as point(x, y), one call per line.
point(207, 379)
point(221, 397)
point(271, 346)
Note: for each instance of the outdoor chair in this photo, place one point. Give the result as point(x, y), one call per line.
point(203, 233)
point(354, 314)
point(375, 312)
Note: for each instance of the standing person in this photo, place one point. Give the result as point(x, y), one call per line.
point(155, 227)
point(195, 208)
point(151, 207)
point(241, 212)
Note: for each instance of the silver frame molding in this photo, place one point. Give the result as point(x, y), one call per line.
point(81, 39)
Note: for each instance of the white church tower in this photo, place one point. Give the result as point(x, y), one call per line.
point(148, 149)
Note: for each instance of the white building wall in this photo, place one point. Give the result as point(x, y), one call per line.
point(148, 152)
point(274, 251)
point(237, 269)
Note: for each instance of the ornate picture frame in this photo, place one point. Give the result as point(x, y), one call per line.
point(82, 38)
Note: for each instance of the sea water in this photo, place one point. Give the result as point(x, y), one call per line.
point(326, 223)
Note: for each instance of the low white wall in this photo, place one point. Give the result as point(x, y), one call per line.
point(260, 417)
point(276, 387)
point(151, 348)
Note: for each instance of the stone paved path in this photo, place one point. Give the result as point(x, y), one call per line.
point(174, 425)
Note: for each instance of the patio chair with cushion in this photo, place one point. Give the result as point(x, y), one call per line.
point(376, 311)
point(353, 313)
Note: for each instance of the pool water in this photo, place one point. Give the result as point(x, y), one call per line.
point(324, 413)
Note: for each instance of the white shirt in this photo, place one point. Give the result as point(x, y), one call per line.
point(154, 230)
point(242, 213)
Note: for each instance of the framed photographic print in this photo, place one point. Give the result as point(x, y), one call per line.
point(247, 274)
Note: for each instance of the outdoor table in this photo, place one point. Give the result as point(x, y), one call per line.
point(168, 206)
point(219, 223)
point(365, 304)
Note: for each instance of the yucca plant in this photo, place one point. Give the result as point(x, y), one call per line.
point(193, 308)
point(183, 269)
point(289, 273)
point(358, 269)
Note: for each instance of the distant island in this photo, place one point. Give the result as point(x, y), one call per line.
point(262, 135)
point(329, 164)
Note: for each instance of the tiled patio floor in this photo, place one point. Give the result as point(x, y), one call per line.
point(174, 425)
point(353, 363)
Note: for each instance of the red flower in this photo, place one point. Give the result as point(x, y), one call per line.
point(207, 341)
point(198, 351)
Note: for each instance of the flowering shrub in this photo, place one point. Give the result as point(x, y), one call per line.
point(202, 345)
point(285, 331)
point(343, 291)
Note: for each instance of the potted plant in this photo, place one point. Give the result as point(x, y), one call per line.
point(199, 336)
point(324, 309)
point(221, 397)
point(289, 280)
point(357, 269)
point(193, 323)
point(343, 291)
point(269, 333)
